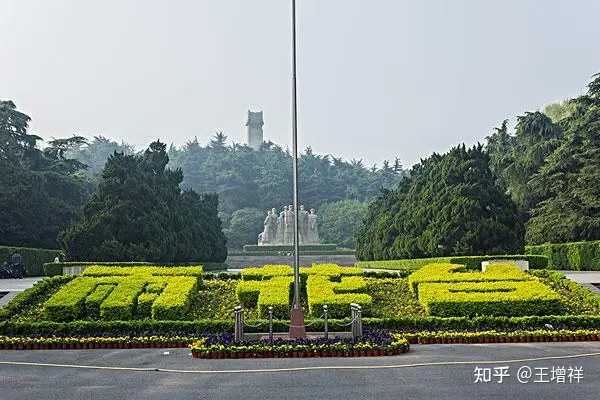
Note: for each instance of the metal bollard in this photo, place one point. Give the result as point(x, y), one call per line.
point(326, 321)
point(359, 329)
point(271, 325)
point(238, 312)
point(356, 313)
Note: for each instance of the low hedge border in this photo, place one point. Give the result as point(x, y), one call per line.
point(401, 345)
point(41, 290)
point(576, 256)
point(471, 262)
point(53, 269)
point(201, 327)
point(98, 342)
point(519, 336)
point(34, 259)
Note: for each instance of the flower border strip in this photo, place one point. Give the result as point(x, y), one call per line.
point(503, 337)
point(92, 343)
point(299, 354)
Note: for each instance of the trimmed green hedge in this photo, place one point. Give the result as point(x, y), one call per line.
point(174, 301)
point(53, 269)
point(93, 301)
point(338, 296)
point(447, 273)
point(34, 259)
point(271, 292)
point(69, 302)
point(112, 293)
point(576, 256)
point(199, 327)
point(471, 262)
point(469, 299)
point(33, 295)
point(269, 271)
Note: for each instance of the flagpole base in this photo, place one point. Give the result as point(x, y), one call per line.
point(297, 327)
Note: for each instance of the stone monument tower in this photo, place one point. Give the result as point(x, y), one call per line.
point(255, 123)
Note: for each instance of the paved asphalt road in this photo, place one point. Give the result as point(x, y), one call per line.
point(370, 382)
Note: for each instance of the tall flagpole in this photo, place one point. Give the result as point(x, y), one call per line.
point(297, 328)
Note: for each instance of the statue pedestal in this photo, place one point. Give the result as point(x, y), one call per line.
point(297, 328)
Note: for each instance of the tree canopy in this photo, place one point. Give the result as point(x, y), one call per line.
point(340, 221)
point(40, 190)
point(139, 213)
point(568, 183)
point(245, 178)
point(449, 205)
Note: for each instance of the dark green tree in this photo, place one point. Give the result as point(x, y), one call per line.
point(449, 205)
point(139, 213)
point(244, 226)
point(40, 191)
point(340, 221)
point(568, 182)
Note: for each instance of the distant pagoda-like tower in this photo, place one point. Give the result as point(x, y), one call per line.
point(255, 124)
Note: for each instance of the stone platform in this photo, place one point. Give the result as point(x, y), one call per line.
point(242, 261)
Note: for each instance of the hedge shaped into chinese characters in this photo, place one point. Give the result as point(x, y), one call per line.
point(448, 290)
point(126, 293)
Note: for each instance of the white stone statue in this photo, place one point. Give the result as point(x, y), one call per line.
point(280, 226)
point(303, 224)
point(313, 231)
point(288, 233)
point(279, 229)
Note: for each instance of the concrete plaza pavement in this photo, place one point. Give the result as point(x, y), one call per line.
point(427, 372)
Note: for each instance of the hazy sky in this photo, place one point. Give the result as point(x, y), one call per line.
point(377, 78)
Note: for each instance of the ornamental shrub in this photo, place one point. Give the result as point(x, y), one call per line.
point(93, 300)
point(33, 259)
point(121, 303)
point(112, 293)
point(33, 295)
point(458, 273)
point(489, 298)
point(174, 301)
point(321, 290)
point(96, 270)
point(408, 266)
point(144, 304)
point(274, 292)
point(69, 302)
point(578, 256)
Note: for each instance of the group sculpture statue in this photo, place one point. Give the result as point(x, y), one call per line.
point(279, 229)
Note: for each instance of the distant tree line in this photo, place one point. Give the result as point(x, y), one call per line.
point(535, 184)
point(249, 182)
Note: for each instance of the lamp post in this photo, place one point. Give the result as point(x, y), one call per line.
point(297, 328)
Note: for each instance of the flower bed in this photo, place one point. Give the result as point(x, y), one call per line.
point(80, 343)
point(372, 344)
point(518, 336)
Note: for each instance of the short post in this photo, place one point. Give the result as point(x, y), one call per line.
point(359, 330)
point(356, 313)
point(326, 321)
point(238, 334)
point(271, 325)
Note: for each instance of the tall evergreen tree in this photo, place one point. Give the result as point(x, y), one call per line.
point(449, 205)
point(40, 191)
point(568, 182)
point(139, 213)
